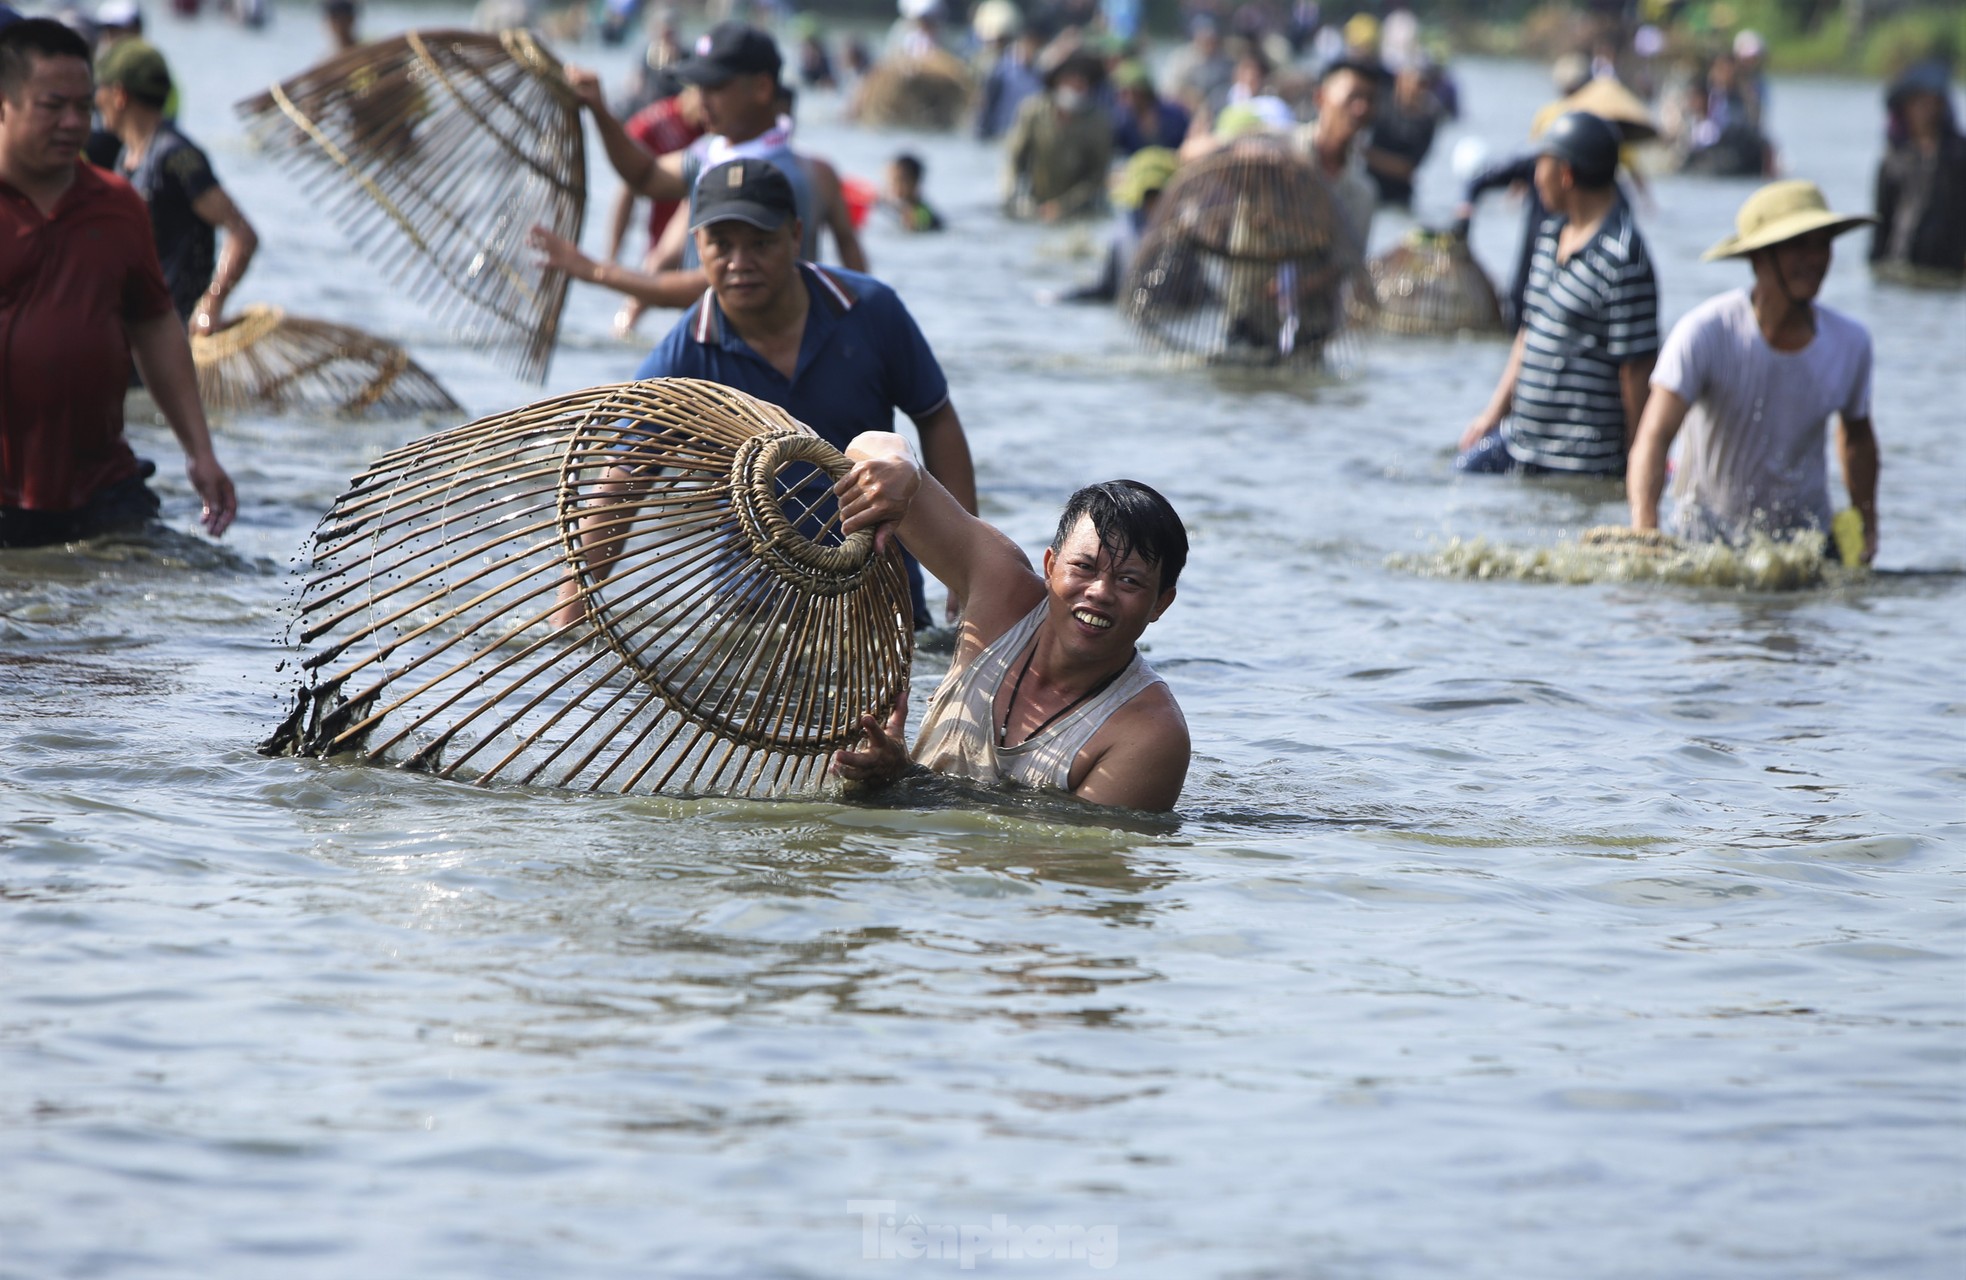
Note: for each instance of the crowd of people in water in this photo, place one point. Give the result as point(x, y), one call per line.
point(117, 240)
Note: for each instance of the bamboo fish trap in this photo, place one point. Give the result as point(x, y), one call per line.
point(928, 91)
point(1429, 284)
point(1249, 261)
point(635, 588)
point(264, 359)
point(437, 152)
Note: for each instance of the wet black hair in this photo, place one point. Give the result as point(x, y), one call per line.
point(30, 38)
point(911, 164)
point(1129, 516)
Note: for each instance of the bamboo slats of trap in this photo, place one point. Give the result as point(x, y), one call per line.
point(266, 360)
point(719, 634)
point(929, 91)
point(1429, 284)
point(437, 151)
point(1249, 260)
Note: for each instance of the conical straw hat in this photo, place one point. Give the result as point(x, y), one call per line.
point(462, 616)
point(1782, 211)
point(1609, 101)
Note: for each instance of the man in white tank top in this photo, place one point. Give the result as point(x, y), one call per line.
point(1755, 376)
point(1047, 688)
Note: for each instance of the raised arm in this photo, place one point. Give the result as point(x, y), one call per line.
point(1503, 174)
point(632, 161)
point(1645, 469)
point(978, 563)
point(241, 242)
point(163, 357)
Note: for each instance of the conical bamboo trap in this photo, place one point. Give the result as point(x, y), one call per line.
point(1248, 261)
point(928, 91)
point(1430, 284)
point(264, 359)
point(463, 615)
point(437, 151)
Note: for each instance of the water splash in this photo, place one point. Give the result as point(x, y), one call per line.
point(1764, 563)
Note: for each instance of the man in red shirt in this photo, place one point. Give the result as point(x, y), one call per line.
point(81, 294)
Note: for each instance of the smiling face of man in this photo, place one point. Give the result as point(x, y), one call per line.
point(1100, 604)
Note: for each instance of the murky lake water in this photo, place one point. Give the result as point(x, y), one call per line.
point(1510, 929)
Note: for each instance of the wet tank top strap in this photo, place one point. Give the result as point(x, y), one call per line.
point(959, 733)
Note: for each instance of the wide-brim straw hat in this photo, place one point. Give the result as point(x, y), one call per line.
point(1608, 100)
point(1779, 212)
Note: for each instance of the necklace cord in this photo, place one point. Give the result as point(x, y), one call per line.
point(1010, 708)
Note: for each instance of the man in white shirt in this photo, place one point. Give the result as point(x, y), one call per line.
point(1755, 376)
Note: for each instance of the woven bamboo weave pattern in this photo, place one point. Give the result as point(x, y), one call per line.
point(266, 360)
point(1248, 260)
point(437, 151)
point(718, 633)
point(1429, 284)
point(929, 91)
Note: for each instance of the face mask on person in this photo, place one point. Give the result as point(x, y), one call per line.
point(1069, 99)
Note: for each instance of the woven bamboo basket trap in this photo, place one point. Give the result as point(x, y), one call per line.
point(264, 359)
point(1248, 261)
point(1429, 284)
point(437, 151)
point(634, 588)
point(929, 91)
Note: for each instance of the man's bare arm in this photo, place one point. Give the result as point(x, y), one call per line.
point(1856, 449)
point(241, 242)
point(945, 452)
point(1490, 418)
point(673, 289)
point(1147, 765)
point(619, 216)
point(1634, 387)
point(629, 158)
point(163, 356)
point(975, 560)
point(1645, 469)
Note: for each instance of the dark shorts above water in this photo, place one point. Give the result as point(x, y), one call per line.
point(122, 507)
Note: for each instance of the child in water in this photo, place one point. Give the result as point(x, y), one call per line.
point(904, 195)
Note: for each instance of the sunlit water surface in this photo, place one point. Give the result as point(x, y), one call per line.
point(1511, 926)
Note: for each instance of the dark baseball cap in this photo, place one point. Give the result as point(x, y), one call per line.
point(1587, 143)
point(730, 49)
point(753, 191)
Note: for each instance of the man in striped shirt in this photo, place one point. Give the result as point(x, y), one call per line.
point(1570, 399)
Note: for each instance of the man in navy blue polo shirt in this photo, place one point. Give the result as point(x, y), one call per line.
point(836, 349)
